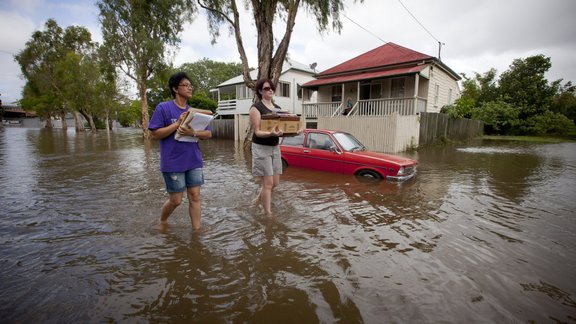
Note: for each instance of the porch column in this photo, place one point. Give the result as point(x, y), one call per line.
point(416, 86)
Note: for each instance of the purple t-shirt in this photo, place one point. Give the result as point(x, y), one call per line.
point(175, 156)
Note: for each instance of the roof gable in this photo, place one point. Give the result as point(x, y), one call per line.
point(386, 55)
point(286, 67)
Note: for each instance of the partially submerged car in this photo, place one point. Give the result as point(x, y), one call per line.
point(341, 152)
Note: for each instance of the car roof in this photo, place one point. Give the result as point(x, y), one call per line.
point(329, 131)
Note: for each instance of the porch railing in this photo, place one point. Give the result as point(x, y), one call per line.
point(224, 105)
point(371, 107)
point(320, 109)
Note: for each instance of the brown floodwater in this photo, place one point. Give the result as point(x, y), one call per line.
point(486, 232)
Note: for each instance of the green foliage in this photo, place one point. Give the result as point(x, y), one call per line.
point(548, 123)
point(525, 86)
point(138, 36)
point(499, 117)
point(130, 115)
point(565, 101)
point(37, 62)
point(204, 74)
point(462, 108)
point(207, 74)
point(201, 101)
point(63, 74)
point(520, 102)
point(272, 50)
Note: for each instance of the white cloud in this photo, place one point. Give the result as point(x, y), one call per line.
point(478, 35)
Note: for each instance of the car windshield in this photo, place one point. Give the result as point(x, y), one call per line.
point(349, 142)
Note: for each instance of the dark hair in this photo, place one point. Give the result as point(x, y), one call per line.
point(175, 80)
point(260, 84)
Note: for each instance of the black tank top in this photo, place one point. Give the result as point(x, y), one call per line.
point(270, 141)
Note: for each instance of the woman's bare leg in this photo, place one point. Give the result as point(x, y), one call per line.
point(194, 207)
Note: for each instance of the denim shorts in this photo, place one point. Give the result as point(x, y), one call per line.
point(179, 181)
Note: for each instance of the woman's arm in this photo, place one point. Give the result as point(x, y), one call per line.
point(164, 132)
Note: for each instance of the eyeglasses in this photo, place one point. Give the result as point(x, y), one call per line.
point(189, 85)
point(268, 89)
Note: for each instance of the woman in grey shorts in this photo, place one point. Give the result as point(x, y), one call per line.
point(266, 162)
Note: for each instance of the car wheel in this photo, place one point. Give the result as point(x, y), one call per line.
point(369, 174)
point(284, 164)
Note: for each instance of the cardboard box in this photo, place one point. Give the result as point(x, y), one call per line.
point(288, 124)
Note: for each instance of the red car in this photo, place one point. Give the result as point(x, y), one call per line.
point(340, 152)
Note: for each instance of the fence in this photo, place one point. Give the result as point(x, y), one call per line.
point(435, 126)
point(223, 128)
point(392, 133)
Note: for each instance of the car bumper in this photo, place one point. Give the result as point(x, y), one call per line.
point(401, 178)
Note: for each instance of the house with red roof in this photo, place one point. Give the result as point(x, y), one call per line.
point(390, 79)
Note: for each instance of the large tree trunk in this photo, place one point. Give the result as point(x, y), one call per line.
point(109, 121)
point(78, 122)
point(48, 120)
point(144, 104)
point(91, 123)
point(90, 120)
point(264, 19)
point(64, 122)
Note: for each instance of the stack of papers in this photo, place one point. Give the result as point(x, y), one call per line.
point(195, 120)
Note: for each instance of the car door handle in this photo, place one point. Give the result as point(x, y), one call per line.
point(306, 151)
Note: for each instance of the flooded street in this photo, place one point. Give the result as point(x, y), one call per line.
point(485, 232)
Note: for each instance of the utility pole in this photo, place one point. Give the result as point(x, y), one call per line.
point(440, 49)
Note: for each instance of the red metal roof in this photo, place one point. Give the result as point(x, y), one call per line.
point(359, 76)
point(385, 55)
point(387, 60)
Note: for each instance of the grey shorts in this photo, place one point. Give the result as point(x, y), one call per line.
point(266, 160)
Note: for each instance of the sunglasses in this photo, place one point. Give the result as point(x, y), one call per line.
point(268, 89)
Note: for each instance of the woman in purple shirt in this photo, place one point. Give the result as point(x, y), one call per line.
point(180, 161)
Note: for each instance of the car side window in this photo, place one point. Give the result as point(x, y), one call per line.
point(319, 141)
point(297, 140)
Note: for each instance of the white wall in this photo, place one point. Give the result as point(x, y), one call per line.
point(387, 134)
point(445, 82)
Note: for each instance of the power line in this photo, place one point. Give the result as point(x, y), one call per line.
point(429, 33)
point(369, 32)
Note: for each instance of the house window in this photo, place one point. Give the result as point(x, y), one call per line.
point(436, 93)
point(449, 96)
point(243, 92)
point(282, 89)
point(397, 90)
point(337, 93)
point(299, 92)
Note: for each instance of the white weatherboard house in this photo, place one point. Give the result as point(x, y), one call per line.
point(379, 95)
point(234, 98)
point(388, 79)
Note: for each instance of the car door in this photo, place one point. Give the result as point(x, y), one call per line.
point(319, 153)
point(292, 148)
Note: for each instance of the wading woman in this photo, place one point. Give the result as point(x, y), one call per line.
point(180, 161)
point(266, 161)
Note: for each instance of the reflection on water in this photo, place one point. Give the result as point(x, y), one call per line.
point(483, 233)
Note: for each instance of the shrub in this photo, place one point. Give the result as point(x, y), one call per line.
point(548, 123)
point(499, 117)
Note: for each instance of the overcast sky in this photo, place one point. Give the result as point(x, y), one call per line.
point(477, 35)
